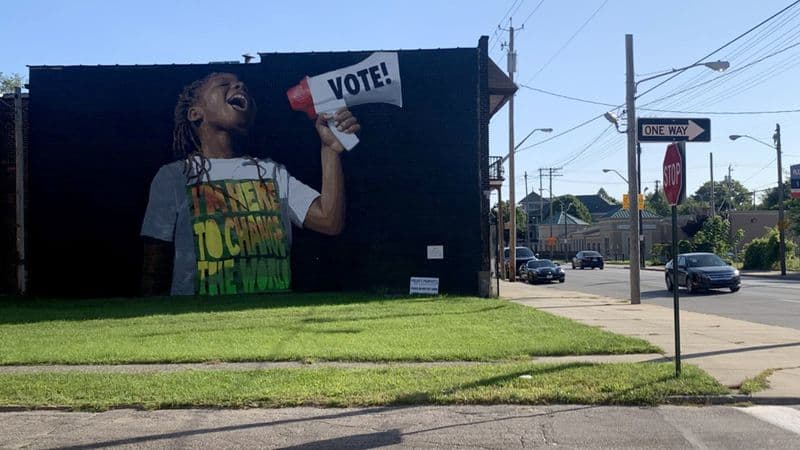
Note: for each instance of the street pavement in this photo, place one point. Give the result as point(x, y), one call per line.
point(730, 350)
point(453, 427)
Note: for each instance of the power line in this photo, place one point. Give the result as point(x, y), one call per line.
point(724, 46)
point(582, 124)
point(536, 8)
point(558, 52)
point(594, 102)
point(729, 73)
point(496, 33)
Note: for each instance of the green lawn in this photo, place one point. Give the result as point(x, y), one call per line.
point(632, 384)
point(291, 327)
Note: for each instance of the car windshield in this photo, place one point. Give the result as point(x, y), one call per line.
point(590, 254)
point(540, 263)
point(704, 261)
point(524, 252)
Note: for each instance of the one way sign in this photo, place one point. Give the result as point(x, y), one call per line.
point(671, 130)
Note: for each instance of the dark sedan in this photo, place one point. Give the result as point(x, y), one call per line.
point(523, 255)
point(541, 270)
point(588, 258)
point(702, 271)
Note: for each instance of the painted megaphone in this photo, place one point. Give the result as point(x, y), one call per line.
point(373, 80)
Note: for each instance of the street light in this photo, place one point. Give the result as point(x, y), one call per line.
point(543, 130)
point(512, 235)
point(633, 171)
point(781, 224)
point(618, 174)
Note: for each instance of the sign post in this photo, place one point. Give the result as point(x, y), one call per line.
point(674, 168)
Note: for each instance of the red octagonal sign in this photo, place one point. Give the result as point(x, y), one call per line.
point(673, 176)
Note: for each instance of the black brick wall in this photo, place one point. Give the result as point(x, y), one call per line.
point(8, 212)
point(100, 133)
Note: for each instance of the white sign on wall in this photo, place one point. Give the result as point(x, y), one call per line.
point(436, 252)
point(424, 285)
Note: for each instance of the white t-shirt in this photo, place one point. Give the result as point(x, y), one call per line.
point(232, 231)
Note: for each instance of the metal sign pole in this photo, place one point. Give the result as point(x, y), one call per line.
point(675, 303)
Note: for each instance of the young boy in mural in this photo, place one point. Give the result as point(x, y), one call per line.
point(219, 222)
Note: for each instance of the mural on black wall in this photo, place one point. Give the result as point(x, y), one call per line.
point(245, 179)
point(219, 221)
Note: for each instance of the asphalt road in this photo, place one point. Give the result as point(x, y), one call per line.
point(761, 300)
point(445, 427)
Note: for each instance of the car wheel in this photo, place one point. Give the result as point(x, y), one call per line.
point(690, 287)
point(573, 265)
point(601, 267)
point(735, 288)
point(561, 280)
point(669, 283)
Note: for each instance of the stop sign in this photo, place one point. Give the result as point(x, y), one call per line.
point(673, 174)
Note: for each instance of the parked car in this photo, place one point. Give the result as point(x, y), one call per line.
point(541, 270)
point(524, 254)
point(701, 271)
point(588, 258)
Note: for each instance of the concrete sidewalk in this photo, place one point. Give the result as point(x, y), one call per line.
point(729, 350)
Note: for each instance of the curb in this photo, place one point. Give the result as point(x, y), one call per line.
point(730, 399)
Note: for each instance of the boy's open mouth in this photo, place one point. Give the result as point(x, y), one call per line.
point(238, 102)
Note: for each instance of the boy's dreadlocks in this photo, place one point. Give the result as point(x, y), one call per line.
point(185, 143)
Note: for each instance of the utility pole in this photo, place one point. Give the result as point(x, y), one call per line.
point(781, 222)
point(541, 197)
point(633, 176)
point(730, 191)
point(527, 216)
point(512, 202)
point(553, 172)
point(712, 201)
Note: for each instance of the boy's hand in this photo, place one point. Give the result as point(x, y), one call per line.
point(343, 120)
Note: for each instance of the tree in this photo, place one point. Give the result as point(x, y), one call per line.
point(521, 217)
point(655, 202)
point(793, 214)
point(578, 209)
point(728, 194)
point(770, 198)
point(10, 82)
point(714, 236)
point(693, 207)
point(607, 197)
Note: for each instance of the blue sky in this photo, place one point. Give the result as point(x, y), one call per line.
point(574, 48)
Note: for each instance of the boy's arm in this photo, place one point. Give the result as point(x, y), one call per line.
point(326, 213)
point(156, 266)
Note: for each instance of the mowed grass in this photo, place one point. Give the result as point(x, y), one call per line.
point(343, 327)
point(630, 384)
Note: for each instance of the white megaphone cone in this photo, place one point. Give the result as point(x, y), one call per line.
point(373, 80)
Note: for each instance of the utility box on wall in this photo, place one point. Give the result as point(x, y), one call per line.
point(98, 135)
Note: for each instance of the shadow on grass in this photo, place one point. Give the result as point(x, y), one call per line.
point(33, 310)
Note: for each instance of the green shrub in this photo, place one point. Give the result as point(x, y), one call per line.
point(763, 253)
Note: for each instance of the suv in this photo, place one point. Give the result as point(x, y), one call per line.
point(588, 258)
point(524, 254)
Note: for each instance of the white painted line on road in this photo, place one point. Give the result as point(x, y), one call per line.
point(790, 301)
point(780, 416)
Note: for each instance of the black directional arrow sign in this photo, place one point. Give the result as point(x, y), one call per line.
point(674, 130)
